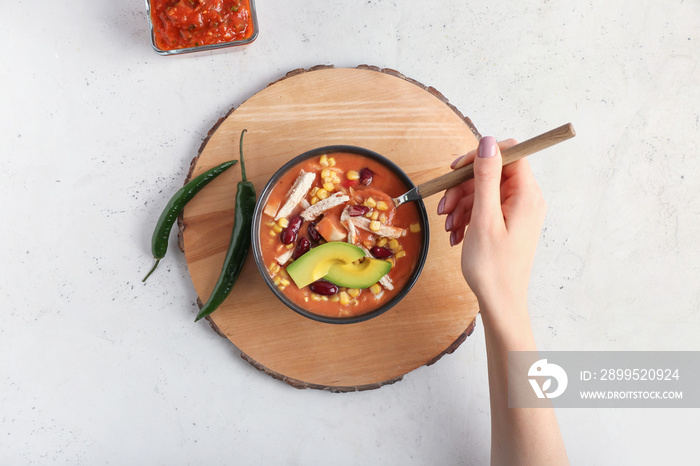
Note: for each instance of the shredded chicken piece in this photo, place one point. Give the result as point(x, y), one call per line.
point(285, 256)
point(296, 194)
point(321, 206)
point(386, 282)
point(352, 232)
point(386, 231)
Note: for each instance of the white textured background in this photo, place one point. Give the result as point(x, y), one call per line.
point(97, 131)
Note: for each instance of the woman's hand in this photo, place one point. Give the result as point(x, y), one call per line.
point(504, 209)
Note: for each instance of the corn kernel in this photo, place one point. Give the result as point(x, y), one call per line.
point(270, 223)
point(313, 191)
point(392, 261)
point(322, 193)
point(335, 298)
point(367, 243)
point(370, 202)
point(375, 289)
point(344, 298)
point(324, 298)
point(277, 281)
point(283, 222)
point(374, 225)
point(355, 302)
point(281, 287)
point(382, 241)
point(284, 282)
point(352, 175)
point(375, 215)
point(315, 297)
point(368, 214)
point(381, 205)
point(306, 299)
point(324, 161)
point(272, 233)
point(274, 267)
point(393, 244)
point(289, 246)
point(329, 187)
point(382, 218)
point(400, 254)
point(277, 229)
point(314, 200)
point(331, 161)
point(336, 179)
point(414, 227)
point(326, 173)
point(354, 292)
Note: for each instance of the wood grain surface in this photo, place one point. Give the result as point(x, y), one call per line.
point(381, 110)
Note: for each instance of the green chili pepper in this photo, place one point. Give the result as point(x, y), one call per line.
point(159, 241)
point(239, 245)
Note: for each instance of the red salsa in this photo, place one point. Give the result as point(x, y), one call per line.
point(179, 24)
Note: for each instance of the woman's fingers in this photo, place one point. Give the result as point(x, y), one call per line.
point(459, 218)
point(451, 197)
point(456, 236)
point(507, 143)
point(487, 182)
point(463, 160)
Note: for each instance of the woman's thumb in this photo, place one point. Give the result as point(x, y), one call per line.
point(487, 179)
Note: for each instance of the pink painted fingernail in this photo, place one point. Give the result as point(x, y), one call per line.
point(448, 223)
point(453, 238)
point(456, 161)
point(487, 147)
point(441, 206)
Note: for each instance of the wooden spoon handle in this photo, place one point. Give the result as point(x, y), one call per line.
point(510, 155)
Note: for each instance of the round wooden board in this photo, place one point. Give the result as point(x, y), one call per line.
point(381, 110)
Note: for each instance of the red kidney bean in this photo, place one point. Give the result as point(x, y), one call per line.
point(357, 210)
point(289, 234)
point(295, 223)
point(323, 288)
point(314, 235)
point(381, 252)
point(302, 248)
point(366, 176)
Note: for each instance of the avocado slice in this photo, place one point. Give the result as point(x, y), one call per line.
point(362, 275)
point(314, 264)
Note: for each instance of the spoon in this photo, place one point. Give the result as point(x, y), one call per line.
point(510, 155)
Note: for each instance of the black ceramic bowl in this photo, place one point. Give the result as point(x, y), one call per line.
point(257, 219)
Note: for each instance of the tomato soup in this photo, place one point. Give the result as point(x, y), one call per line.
point(340, 197)
point(179, 24)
